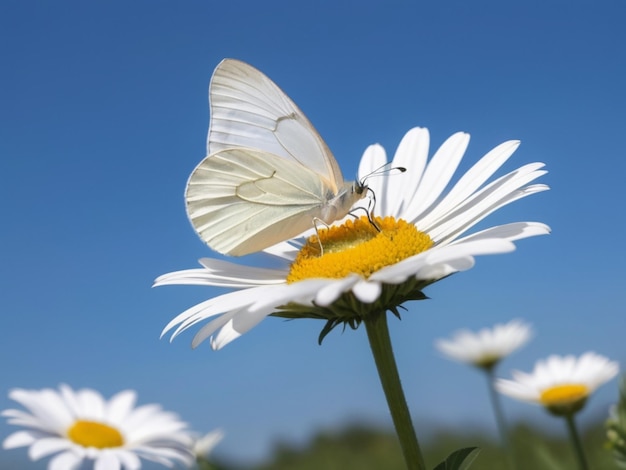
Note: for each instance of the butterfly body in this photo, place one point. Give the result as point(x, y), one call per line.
point(268, 174)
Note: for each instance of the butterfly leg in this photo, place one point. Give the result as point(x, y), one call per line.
point(317, 220)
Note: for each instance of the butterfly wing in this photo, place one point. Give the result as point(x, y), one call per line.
point(250, 110)
point(243, 200)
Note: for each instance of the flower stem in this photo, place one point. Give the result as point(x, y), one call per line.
point(380, 343)
point(573, 433)
point(499, 415)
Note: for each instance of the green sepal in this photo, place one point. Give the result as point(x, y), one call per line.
point(353, 323)
point(347, 310)
point(459, 459)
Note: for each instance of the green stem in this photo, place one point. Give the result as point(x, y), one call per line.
point(573, 433)
point(380, 343)
point(500, 421)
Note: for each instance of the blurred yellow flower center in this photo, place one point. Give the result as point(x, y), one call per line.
point(564, 394)
point(94, 434)
point(356, 247)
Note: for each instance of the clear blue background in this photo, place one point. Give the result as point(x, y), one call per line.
point(103, 115)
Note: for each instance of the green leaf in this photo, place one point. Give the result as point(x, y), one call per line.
point(459, 459)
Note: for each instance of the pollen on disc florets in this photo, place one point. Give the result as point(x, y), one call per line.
point(357, 247)
point(564, 399)
point(94, 434)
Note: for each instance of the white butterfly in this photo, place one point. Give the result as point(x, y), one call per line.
point(268, 174)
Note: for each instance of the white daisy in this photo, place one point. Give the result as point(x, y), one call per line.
point(488, 346)
point(561, 384)
point(363, 270)
point(81, 425)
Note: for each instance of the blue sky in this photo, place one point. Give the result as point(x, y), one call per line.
point(103, 115)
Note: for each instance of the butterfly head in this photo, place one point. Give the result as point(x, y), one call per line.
point(360, 185)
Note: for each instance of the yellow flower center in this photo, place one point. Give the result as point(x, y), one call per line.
point(94, 434)
point(356, 247)
point(565, 394)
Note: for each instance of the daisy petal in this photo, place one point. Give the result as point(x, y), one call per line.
point(222, 274)
point(211, 307)
point(445, 261)
point(331, 292)
point(46, 446)
point(374, 157)
point(226, 335)
point(129, 460)
point(367, 292)
point(510, 232)
point(205, 445)
point(107, 461)
point(46, 406)
point(90, 404)
point(121, 405)
point(219, 323)
point(437, 175)
point(412, 154)
point(501, 192)
point(284, 250)
point(65, 461)
point(20, 439)
point(476, 176)
point(237, 322)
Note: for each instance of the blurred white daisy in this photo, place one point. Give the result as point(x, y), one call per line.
point(364, 271)
point(561, 384)
point(81, 425)
point(485, 348)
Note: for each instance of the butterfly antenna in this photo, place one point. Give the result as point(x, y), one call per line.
point(381, 171)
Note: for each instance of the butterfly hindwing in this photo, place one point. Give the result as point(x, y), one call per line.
point(238, 197)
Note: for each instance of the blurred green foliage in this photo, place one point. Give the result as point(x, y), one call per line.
point(616, 427)
point(367, 448)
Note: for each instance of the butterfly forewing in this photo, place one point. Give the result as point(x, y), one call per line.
point(250, 110)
